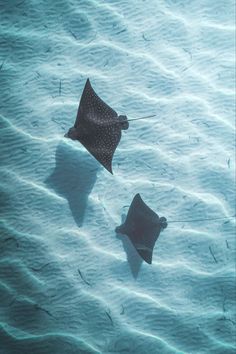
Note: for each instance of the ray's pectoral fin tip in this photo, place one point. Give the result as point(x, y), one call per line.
point(120, 230)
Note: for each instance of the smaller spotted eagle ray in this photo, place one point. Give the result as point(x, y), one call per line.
point(143, 227)
point(97, 127)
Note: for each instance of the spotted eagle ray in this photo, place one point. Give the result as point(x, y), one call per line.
point(98, 127)
point(143, 227)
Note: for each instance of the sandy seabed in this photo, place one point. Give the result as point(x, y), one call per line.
point(68, 283)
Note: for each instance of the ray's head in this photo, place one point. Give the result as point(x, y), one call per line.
point(163, 222)
point(72, 134)
point(124, 124)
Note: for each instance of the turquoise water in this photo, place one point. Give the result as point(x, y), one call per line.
point(68, 284)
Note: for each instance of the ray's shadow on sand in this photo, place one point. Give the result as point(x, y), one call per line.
point(73, 178)
point(133, 258)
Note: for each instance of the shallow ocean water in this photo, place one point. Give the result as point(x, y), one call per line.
point(68, 283)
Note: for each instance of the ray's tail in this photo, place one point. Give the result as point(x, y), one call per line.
point(145, 117)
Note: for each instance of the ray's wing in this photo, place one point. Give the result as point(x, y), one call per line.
point(90, 102)
point(98, 126)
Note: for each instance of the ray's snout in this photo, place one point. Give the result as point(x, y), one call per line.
point(163, 222)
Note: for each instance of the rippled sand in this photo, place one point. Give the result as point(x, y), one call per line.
point(68, 283)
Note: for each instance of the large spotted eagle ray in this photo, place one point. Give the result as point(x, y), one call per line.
point(98, 127)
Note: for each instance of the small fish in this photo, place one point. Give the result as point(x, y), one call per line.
point(40, 268)
point(109, 316)
point(60, 88)
point(37, 307)
point(123, 310)
point(212, 254)
point(144, 37)
point(121, 31)
point(82, 277)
